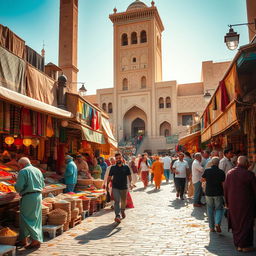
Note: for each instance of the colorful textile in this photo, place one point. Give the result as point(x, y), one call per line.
point(158, 171)
point(34, 123)
point(26, 124)
point(89, 117)
point(41, 149)
point(49, 127)
point(43, 125)
point(224, 96)
point(1, 116)
point(7, 117)
point(144, 178)
point(232, 83)
point(85, 111)
point(34, 58)
point(79, 107)
point(15, 120)
point(95, 121)
point(39, 124)
point(12, 72)
point(214, 103)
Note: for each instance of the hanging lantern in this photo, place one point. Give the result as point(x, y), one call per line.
point(9, 140)
point(27, 142)
point(35, 142)
point(18, 143)
point(64, 123)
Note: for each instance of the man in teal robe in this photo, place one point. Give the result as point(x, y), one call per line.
point(70, 176)
point(30, 183)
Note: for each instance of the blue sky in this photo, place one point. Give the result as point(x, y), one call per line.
point(194, 31)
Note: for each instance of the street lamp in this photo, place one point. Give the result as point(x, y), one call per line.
point(207, 96)
point(82, 90)
point(232, 38)
point(196, 117)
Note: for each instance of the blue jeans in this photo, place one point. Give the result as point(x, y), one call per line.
point(120, 195)
point(214, 209)
point(198, 192)
point(167, 174)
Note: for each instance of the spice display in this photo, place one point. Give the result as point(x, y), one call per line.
point(7, 232)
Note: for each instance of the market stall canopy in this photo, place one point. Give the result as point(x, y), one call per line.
point(92, 136)
point(106, 126)
point(189, 137)
point(25, 101)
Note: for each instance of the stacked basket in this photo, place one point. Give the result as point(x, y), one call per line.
point(64, 205)
point(98, 183)
point(86, 203)
point(79, 205)
point(45, 212)
point(83, 183)
point(57, 217)
point(93, 205)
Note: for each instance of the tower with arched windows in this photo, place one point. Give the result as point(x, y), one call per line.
point(140, 103)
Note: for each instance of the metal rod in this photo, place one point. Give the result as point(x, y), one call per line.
point(250, 23)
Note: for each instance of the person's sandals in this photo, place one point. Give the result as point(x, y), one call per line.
point(123, 214)
point(218, 228)
point(117, 219)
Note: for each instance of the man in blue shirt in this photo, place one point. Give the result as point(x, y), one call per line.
point(70, 176)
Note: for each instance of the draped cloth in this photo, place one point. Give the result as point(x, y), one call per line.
point(26, 123)
point(15, 123)
point(158, 170)
point(1, 116)
point(224, 96)
point(7, 117)
point(12, 72)
point(34, 58)
point(240, 195)
point(49, 127)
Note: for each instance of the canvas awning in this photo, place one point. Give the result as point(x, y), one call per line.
point(36, 105)
point(188, 138)
point(92, 136)
point(106, 127)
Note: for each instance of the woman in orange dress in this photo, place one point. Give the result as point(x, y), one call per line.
point(158, 170)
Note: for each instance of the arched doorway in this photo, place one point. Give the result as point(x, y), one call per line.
point(134, 122)
point(165, 129)
point(138, 127)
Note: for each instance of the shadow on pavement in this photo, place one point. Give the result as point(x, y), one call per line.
point(153, 191)
point(99, 233)
point(177, 203)
point(199, 213)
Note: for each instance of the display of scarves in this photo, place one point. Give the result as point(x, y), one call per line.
point(89, 117)
point(41, 149)
point(224, 96)
point(15, 120)
point(26, 123)
point(1, 116)
point(43, 125)
point(79, 107)
point(34, 123)
point(214, 103)
point(85, 112)
point(95, 120)
point(56, 128)
point(39, 124)
point(7, 117)
point(49, 127)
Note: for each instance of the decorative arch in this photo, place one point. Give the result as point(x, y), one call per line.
point(161, 102)
point(143, 82)
point(143, 36)
point(134, 38)
point(104, 106)
point(125, 84)
point(134, 122)
point(165, 129)
point(124, 39)
point(110, 108)
point(168, 102)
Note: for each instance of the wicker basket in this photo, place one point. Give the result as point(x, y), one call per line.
point(79, 205)
point(85, 182)
point(8, 240)
point(74, 213)
point(86, 204)
point(98, 183)
point(57, 217)
point(72, 202)
point(64, 206)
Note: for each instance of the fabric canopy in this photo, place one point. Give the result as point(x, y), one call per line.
point(189, 137)
point(92, 136)
point(106, 127)
point(32, 104)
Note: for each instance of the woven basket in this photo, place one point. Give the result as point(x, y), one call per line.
point(8, 240)
point(79, 204)
point(64, 206)
point(72, 202)
point(74, 213)
point(57, 221)
point(85, 182)
point(98, 183)
point(86, 204)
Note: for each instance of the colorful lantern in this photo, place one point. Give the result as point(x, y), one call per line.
point(9, 140)
point(64, 123)
point(18, 143)
point(27, 142)
point(35, 142)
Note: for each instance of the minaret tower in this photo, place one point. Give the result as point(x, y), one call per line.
point(68, 34)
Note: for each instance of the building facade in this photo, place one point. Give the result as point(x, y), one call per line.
point(140, 102)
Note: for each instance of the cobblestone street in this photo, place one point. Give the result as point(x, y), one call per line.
point(158, 225)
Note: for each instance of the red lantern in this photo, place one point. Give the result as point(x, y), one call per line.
point(18, 143)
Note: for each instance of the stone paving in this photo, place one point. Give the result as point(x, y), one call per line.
point(158, 225)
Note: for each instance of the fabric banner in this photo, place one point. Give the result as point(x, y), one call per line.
point(34, 58)
point(11, 41)
point(26, 123)
point(95, 121)
point(41, 87)
point(12, 71)
point(232, 83)
point(224, 96)
point(106, 126)
point(15, 119)
point(92, 136)
point(49, 127)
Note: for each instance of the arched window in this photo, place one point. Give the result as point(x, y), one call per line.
point(143, 82)
point(161, 102)
point(165, 129)
point(166, 133)
point(134, 38)
point(143, 36)
point(124, 39)
point(110, 109)
point(104, 107)
point(168, 102)
point(125, 84)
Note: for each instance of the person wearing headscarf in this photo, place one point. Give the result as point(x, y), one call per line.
point(96, 172)
point(103, 166)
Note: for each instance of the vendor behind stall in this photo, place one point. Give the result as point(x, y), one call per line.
point(82, 167)
point(13, 163)
point(96, 172)
point(30, 183)
point(70, 176)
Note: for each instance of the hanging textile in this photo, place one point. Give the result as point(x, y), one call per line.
point(80, 107)
point(56, 128)
point(95, 121)
point(12, 72)
point(26, 123)
point(41, 149)
point(63, 135)
point(34, 123)
point(224, 96)
point(1, 116)
point(89, 117)
point(15, 120)
point(84, 114)
point(49, 127)
point(7, 117)
point(43, 125)
point(214, 103)
point(39, 124)
point(232, 83)
point(34, 58)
